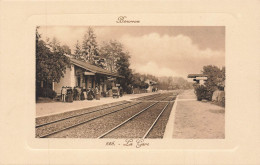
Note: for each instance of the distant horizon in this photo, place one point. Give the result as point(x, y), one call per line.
point(174, 51)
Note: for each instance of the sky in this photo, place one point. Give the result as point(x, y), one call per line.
point(157, 50)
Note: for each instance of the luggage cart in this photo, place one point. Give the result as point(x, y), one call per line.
point(115, 92)
point(69, 95)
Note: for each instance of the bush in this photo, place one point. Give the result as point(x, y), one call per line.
point(45, 92)
point(202, 92)
point(50, 93)
point(129, 89)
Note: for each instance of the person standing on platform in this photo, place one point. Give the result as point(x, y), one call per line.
point(97, 93)
point(82, 97)
point(85, 92)
point(75, 93)
point(78, 93)
point(90, 94)
point(63, 94)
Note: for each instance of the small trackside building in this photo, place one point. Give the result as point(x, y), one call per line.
point(198, 78)
point(85, 75)
point(152, 85)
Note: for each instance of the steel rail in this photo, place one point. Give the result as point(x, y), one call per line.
point(55, 121)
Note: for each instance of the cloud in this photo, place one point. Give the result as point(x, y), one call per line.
point(153, 68)
point(66, 35)
point(169, 55)
point(151, 52)
point(69, 35)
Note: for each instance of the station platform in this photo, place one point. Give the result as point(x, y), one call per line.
point(192, 119)
point(46, 109)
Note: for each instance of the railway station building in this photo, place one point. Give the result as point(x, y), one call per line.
point(152, 85)
point(85, 75)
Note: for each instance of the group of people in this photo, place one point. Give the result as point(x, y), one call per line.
point(78, 93)
point(154, 89)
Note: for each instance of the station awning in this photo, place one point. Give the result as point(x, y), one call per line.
point(92, 69)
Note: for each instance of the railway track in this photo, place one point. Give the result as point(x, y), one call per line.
point(60, 125)
point(46, 120)
point(78, 114)
point(44, 129)
point(155, 98)
point(147, 97)
point(113, 134)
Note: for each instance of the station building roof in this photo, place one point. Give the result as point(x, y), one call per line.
point(93, 68)
point(196, 75)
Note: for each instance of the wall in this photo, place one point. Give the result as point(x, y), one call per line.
point(73, 76)
point(65, 81)
point(149, 89)
point(70, 79)
point(77, 72)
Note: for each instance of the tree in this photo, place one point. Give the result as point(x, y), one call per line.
point(111, 51)
point(90, 47)
point(170, 81)
point(223, 73)
point(144, 85)
point(122, 67)
point(222, 78)
point(213, 73)
point(151, 77)
point(118, 61)
point(173, 83)
point(54, 45)
point(66, 49)
point(139, 80)
point(51, 62)
point(77, 51)
point(101, 62)
point(215, 77)
point(136, 81)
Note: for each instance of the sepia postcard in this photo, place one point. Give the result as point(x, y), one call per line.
point(168, 85)
point(123, 81)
